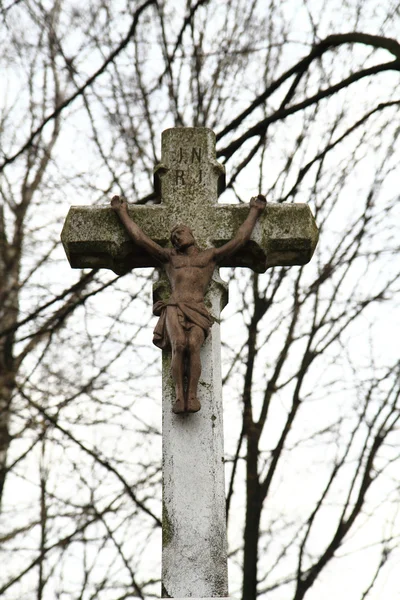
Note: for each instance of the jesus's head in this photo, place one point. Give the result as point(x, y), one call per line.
point(182, 237)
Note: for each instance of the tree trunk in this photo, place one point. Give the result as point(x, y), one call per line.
point(9, 310)
point(5, 401)
point(252, 525)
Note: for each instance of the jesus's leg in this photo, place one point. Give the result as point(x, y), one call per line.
point(177, 338)
point(195, 339)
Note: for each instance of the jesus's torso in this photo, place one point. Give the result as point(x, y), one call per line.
point(190, 274)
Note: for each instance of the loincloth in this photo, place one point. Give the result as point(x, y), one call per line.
point(189, 315)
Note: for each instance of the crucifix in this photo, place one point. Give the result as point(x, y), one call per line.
point(204, 235)
point(184, 318)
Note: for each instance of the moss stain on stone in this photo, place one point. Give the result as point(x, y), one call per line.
point(167, 529)
point(168, 381)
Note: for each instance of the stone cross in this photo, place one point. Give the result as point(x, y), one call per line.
point(188, 182)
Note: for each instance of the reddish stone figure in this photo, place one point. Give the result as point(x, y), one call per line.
point(184, 319)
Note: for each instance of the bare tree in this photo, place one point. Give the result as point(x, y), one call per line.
point(304, 103)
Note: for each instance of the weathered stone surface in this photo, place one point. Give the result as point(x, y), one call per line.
point(189, 180)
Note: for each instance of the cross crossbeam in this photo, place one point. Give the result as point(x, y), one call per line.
point(286, 235)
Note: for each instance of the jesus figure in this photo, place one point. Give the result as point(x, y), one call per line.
point(184, 321)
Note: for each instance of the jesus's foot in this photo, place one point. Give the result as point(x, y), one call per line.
point(178, 407)
point(193, 404)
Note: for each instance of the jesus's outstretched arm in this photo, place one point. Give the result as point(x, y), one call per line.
point(120, 206)
point(243, 234)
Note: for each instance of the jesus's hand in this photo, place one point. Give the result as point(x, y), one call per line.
point(258, 203)
point(119, 205)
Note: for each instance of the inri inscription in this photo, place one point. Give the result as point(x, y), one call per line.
point(193, 157)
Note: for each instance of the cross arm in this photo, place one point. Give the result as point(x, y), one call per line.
point(285, 235)
point(94, 237)
point(243, 234)
point(139, 238)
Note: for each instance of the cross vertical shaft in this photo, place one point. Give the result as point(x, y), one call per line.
point(194, 554)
